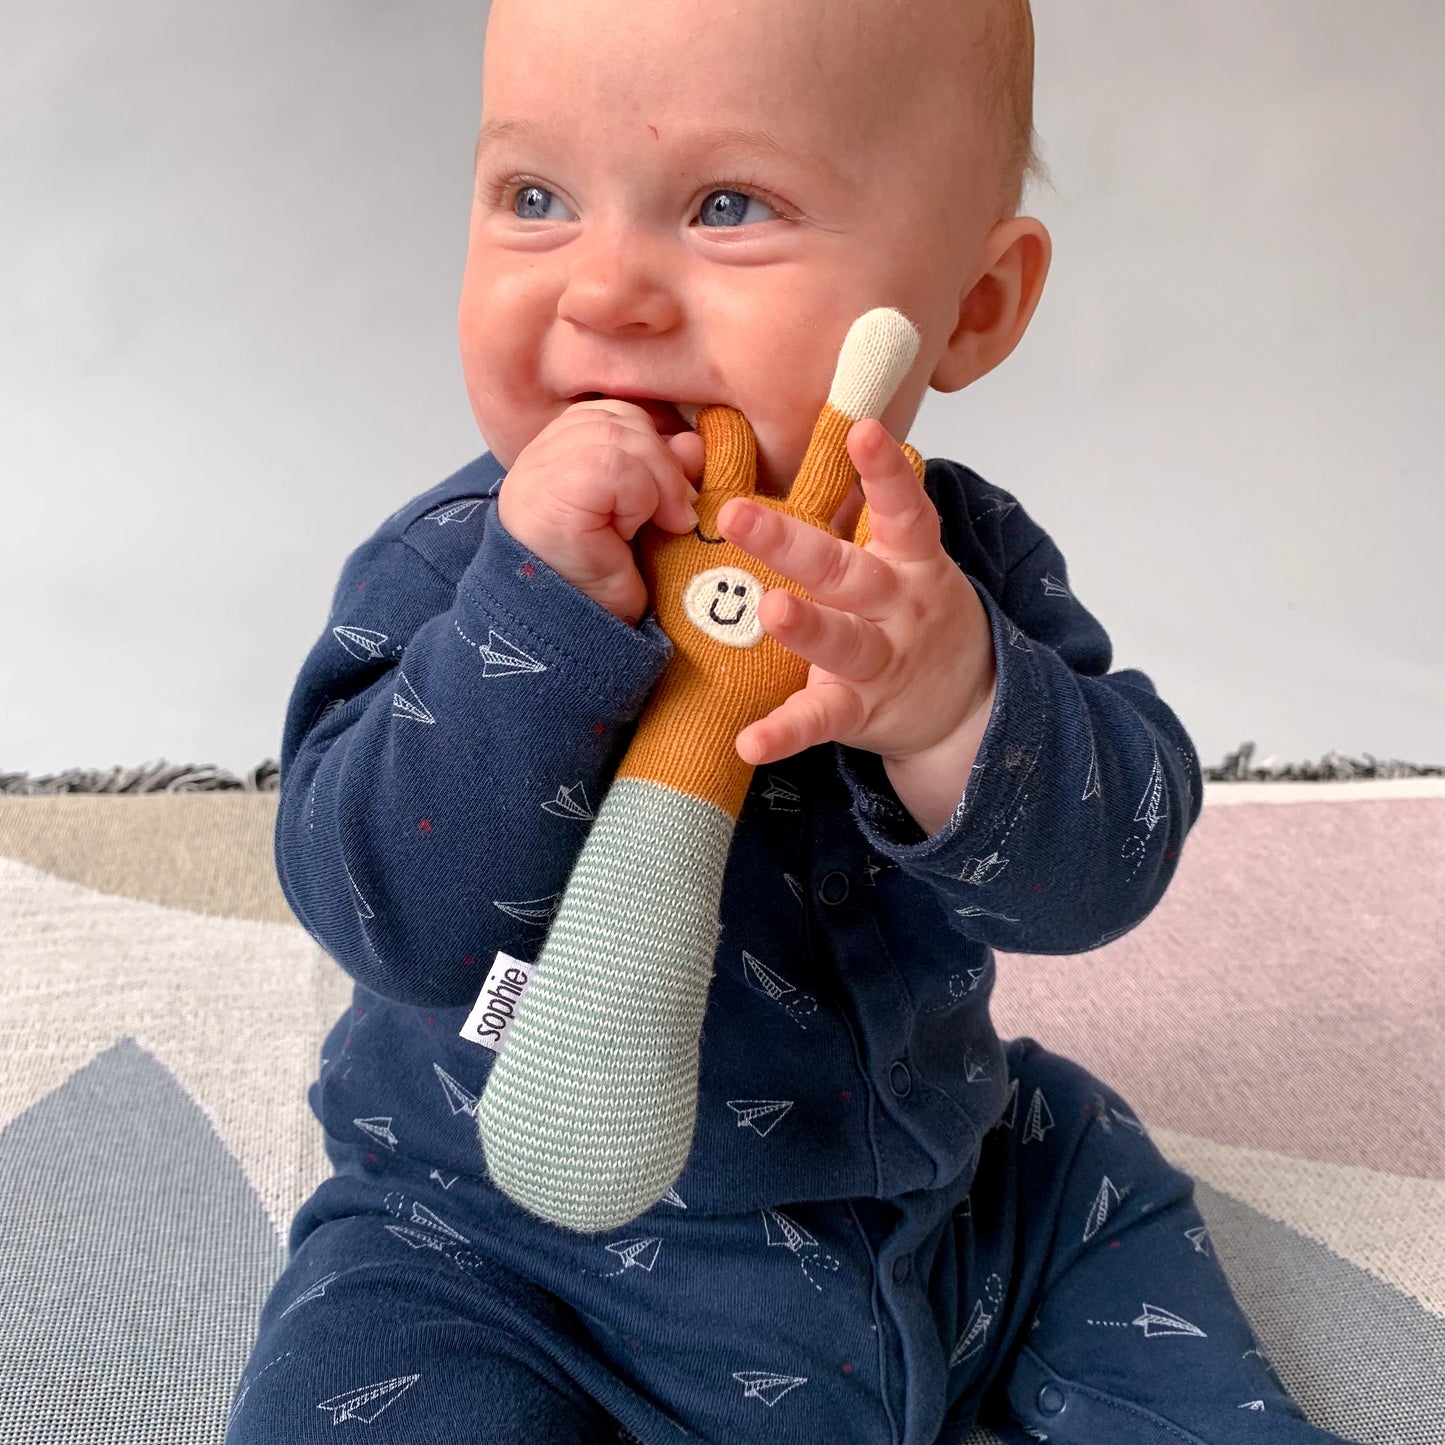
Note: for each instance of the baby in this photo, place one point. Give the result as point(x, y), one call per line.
point(891, 1225)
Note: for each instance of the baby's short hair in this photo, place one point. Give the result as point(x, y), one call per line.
point(1005, 37)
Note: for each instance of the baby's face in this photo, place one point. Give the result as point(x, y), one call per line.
point(692, 201)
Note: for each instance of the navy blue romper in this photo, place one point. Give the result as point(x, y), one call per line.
point(892, 1225)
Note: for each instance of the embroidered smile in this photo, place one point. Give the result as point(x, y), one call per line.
point(733, 621)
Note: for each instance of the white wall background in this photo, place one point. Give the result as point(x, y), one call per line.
point(230, 246)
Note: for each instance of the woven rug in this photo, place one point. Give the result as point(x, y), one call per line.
point(1276, 1022)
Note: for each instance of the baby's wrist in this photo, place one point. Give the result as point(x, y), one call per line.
point(931, 782)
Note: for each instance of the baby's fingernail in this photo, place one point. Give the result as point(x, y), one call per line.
point(692, 493)
point(691, 512)
point(744, 520)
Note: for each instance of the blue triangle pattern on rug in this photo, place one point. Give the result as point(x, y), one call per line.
point(134, 1260)
point(1362, 1358)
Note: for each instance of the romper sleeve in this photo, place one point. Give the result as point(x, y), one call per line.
point(445, 744)
point(1085, 783)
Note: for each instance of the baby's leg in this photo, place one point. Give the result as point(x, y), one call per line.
point(1134, 1336)
point(408, 1348)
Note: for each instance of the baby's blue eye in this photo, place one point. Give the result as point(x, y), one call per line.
point(531, 203)
point(727, 208)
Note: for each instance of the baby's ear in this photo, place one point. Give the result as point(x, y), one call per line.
point(730, 454)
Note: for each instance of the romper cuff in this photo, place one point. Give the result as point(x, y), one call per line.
point(557, 623)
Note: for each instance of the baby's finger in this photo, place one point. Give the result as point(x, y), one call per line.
point(837, 642)
point(833, 572)
point(687, 447)
point(903, 523)
point(818, 713)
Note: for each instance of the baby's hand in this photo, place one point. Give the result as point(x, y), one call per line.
point(581, 488)
point(900, 647)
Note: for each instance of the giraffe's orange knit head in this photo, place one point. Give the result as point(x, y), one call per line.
point(701, 583)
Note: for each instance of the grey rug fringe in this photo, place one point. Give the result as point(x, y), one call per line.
point(158, 777)
point(265, 777)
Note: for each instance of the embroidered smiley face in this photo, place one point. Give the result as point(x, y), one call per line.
point(723, 603)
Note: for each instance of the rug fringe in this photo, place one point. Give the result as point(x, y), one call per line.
point(1333, 767)
point(265, 777)
point(156, 777)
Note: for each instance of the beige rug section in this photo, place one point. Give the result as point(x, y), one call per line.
point(204, 852)
point(1391, 1226)
point(235, 1008)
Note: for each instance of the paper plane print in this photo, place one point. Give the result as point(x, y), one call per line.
point(536, 911)
point(1252, 1405)
point(1040, 1120)
point(958, 989)
point(786, 1232)
point(673, 1198)
point(782, 796)
point(1199, 1238)
point(1010, 1114)
point(362, 642)
point(1053, 587)
point(1128, 1121)
point(366, 1403)
point(979, 871)
point(777, 988)
point(995, 506)
point(759, 1115)
point(635, 1254)
point(1156, 1322)
point(433, 1232)
point(445, 1183)
point(766, 1386)
point(1016, 637)
point(974, 1336)
point(417, 1238)
point(1154, 805)
point(501, 658)
point(975, 1071)
point(570, 803)
point(316, 1291)
point(454, 512)
point(358, 899)
point(794, 887)
point(1091, 783)
point(420, 1214)
point(459, 1100)
point(1105, 1202)
point(975, 912)
point(790, 1235)
point(379, 1129)
point(406, 704)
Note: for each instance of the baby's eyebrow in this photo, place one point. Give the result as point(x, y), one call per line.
point(735, 140)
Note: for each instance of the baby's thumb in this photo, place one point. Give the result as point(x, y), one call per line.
point(687, 447)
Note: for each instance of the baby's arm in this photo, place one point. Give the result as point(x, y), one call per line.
point(1085, 783)
point(447, 739)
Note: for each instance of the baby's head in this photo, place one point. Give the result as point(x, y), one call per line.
point(693, 201)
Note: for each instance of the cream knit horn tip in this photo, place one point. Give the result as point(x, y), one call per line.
point(878, 350)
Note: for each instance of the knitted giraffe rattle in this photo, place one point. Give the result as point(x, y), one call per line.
point(587, 1118)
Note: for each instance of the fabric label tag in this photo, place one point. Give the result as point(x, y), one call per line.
point(497, 1004)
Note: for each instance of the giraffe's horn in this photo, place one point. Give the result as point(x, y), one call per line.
point(875, 356)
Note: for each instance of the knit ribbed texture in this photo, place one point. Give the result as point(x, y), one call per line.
point(588, 1115)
